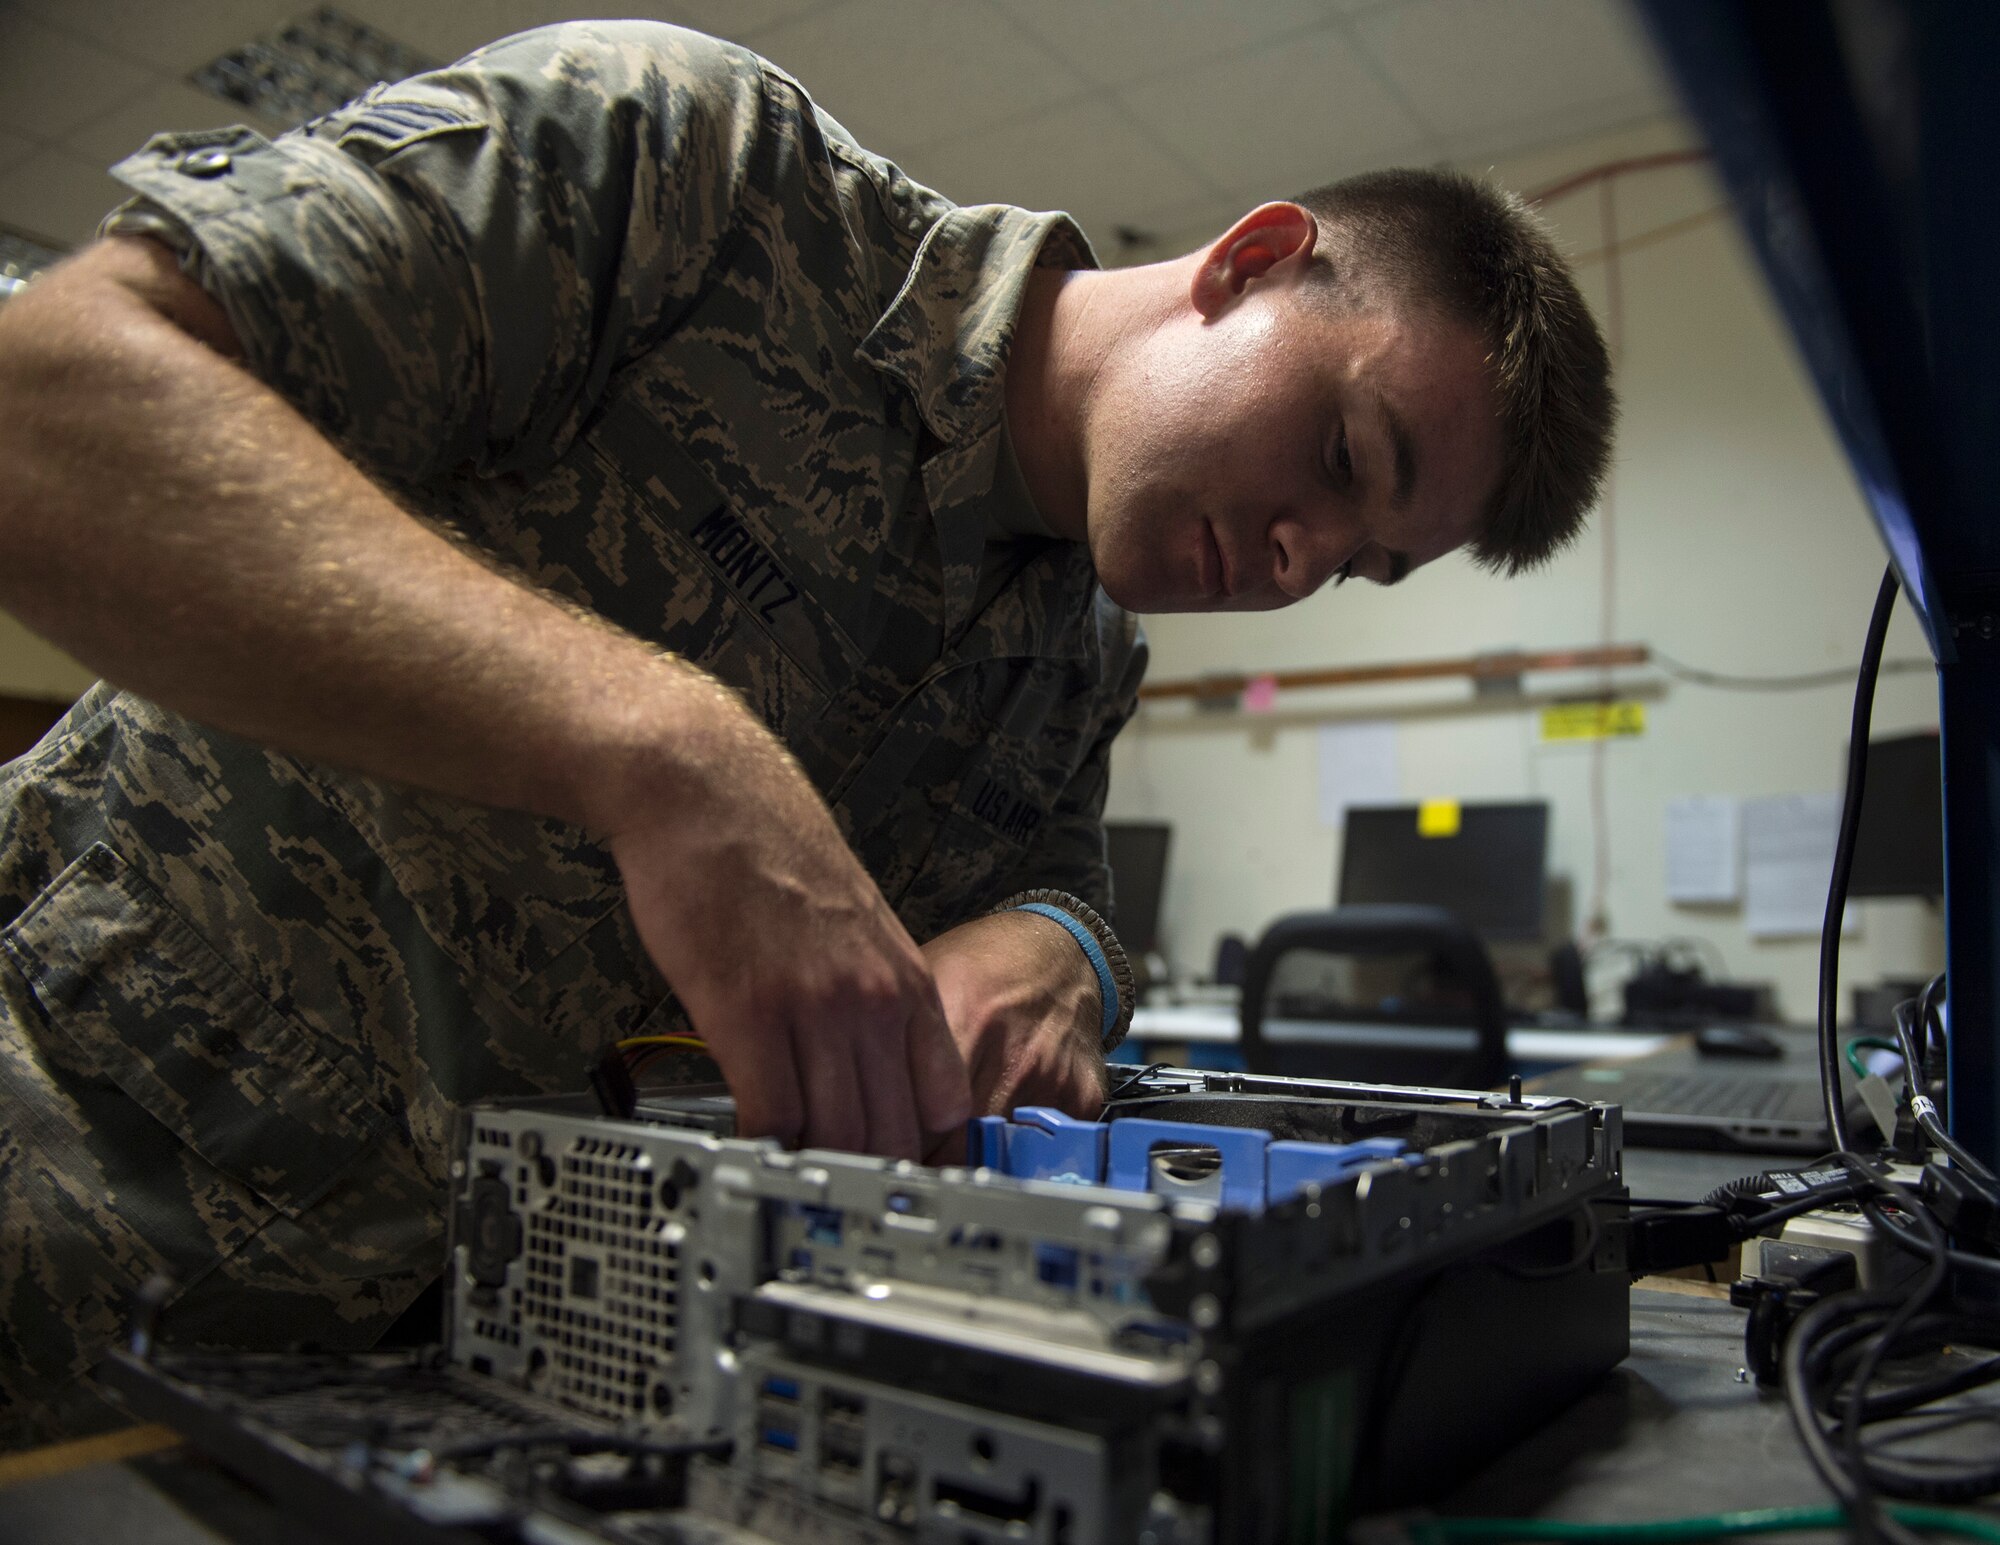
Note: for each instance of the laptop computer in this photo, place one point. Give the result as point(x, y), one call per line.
point(1677, 1097)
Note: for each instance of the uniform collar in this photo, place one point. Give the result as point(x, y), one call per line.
point(945, 338)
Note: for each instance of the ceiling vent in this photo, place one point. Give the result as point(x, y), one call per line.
point(308, 67)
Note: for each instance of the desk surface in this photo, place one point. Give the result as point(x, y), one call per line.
point(1671, 1431)
point(1220, 1023)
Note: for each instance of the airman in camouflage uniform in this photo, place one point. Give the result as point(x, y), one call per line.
point(701, 393)
point(621, 309)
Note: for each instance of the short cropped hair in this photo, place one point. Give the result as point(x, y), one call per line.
point(1476, 254)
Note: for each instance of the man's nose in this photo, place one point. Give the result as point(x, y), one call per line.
point(1304, 557)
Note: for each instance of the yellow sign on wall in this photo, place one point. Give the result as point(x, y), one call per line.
point(1593, 721)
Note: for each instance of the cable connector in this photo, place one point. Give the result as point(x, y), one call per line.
point(1961, 1204)
point(1791, 1284)
point(1689, 1236)
point(611, 1080)
point(1881, 1102)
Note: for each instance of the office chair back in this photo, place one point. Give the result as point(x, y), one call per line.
point(1381, 1051)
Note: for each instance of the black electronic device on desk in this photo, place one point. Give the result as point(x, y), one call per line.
point(1232, 1312)
point(1136, 852)
point(1485, 863)
point(1750, 1088)
point(1668, 992)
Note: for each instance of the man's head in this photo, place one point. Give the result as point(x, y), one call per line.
point(1354, 382)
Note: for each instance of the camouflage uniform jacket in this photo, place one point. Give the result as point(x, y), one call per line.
point(616, 304)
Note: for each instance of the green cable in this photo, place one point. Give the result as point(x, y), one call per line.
point(1668, 1531)
point(1873, 1043)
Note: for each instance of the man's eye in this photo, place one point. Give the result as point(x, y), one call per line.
point(1343, 459)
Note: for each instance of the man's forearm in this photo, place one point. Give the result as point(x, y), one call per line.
point(182, 530)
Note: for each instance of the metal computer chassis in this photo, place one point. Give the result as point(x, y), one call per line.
point(897, 1353)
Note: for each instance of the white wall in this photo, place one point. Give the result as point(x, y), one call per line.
point(29, 667)
point(1741, 545)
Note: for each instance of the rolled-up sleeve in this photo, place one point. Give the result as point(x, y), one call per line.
point(445, 273)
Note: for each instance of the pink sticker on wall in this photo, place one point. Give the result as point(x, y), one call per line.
point(1260, 694)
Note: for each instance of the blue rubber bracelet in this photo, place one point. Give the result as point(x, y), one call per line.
point(1107, 985)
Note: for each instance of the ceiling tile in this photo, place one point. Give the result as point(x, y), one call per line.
point(901, 75)
point(168, 39)
point(51, 82)
point(1477, 149)
point(1279, 119)
point(1088, 159)
point(1466, 65)
point(56, 198)
point(1115, 42)
point(165, 109)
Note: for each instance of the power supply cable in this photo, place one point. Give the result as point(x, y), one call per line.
point(1843, 861)
point(1789, 682)
point(1964, 1260)
point(1133, 1079)
point(1865, 1510)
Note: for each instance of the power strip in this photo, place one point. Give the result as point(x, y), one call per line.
point(1812, 1236)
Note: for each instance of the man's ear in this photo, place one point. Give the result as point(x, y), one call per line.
point(1269, 235)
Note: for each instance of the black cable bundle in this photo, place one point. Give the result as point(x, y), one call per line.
point(1834, 1355)
point(1836, 1352)
point(1911, 1014)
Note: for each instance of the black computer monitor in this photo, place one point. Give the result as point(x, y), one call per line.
point(1488, 867)
point(1137, 853)
point(1899, 845)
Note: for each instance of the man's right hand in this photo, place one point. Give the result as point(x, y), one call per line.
point(813, 999)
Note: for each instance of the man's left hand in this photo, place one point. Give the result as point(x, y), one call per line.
point(1022, 1004)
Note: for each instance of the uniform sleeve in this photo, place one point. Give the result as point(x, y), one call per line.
point(1068, 853)
point(446, 272)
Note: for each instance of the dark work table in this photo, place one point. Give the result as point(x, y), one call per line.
point(1672, 1431)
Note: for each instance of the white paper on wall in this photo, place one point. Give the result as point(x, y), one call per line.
point(1357, 766)
point(1788, 843)
point(1705, 848)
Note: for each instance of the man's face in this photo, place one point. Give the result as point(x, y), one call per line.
point(1236, 461)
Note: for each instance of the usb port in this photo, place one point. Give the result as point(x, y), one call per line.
point(843, 1432)
point(777, 1387)
point(777, 1429)
point(836, 1403)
